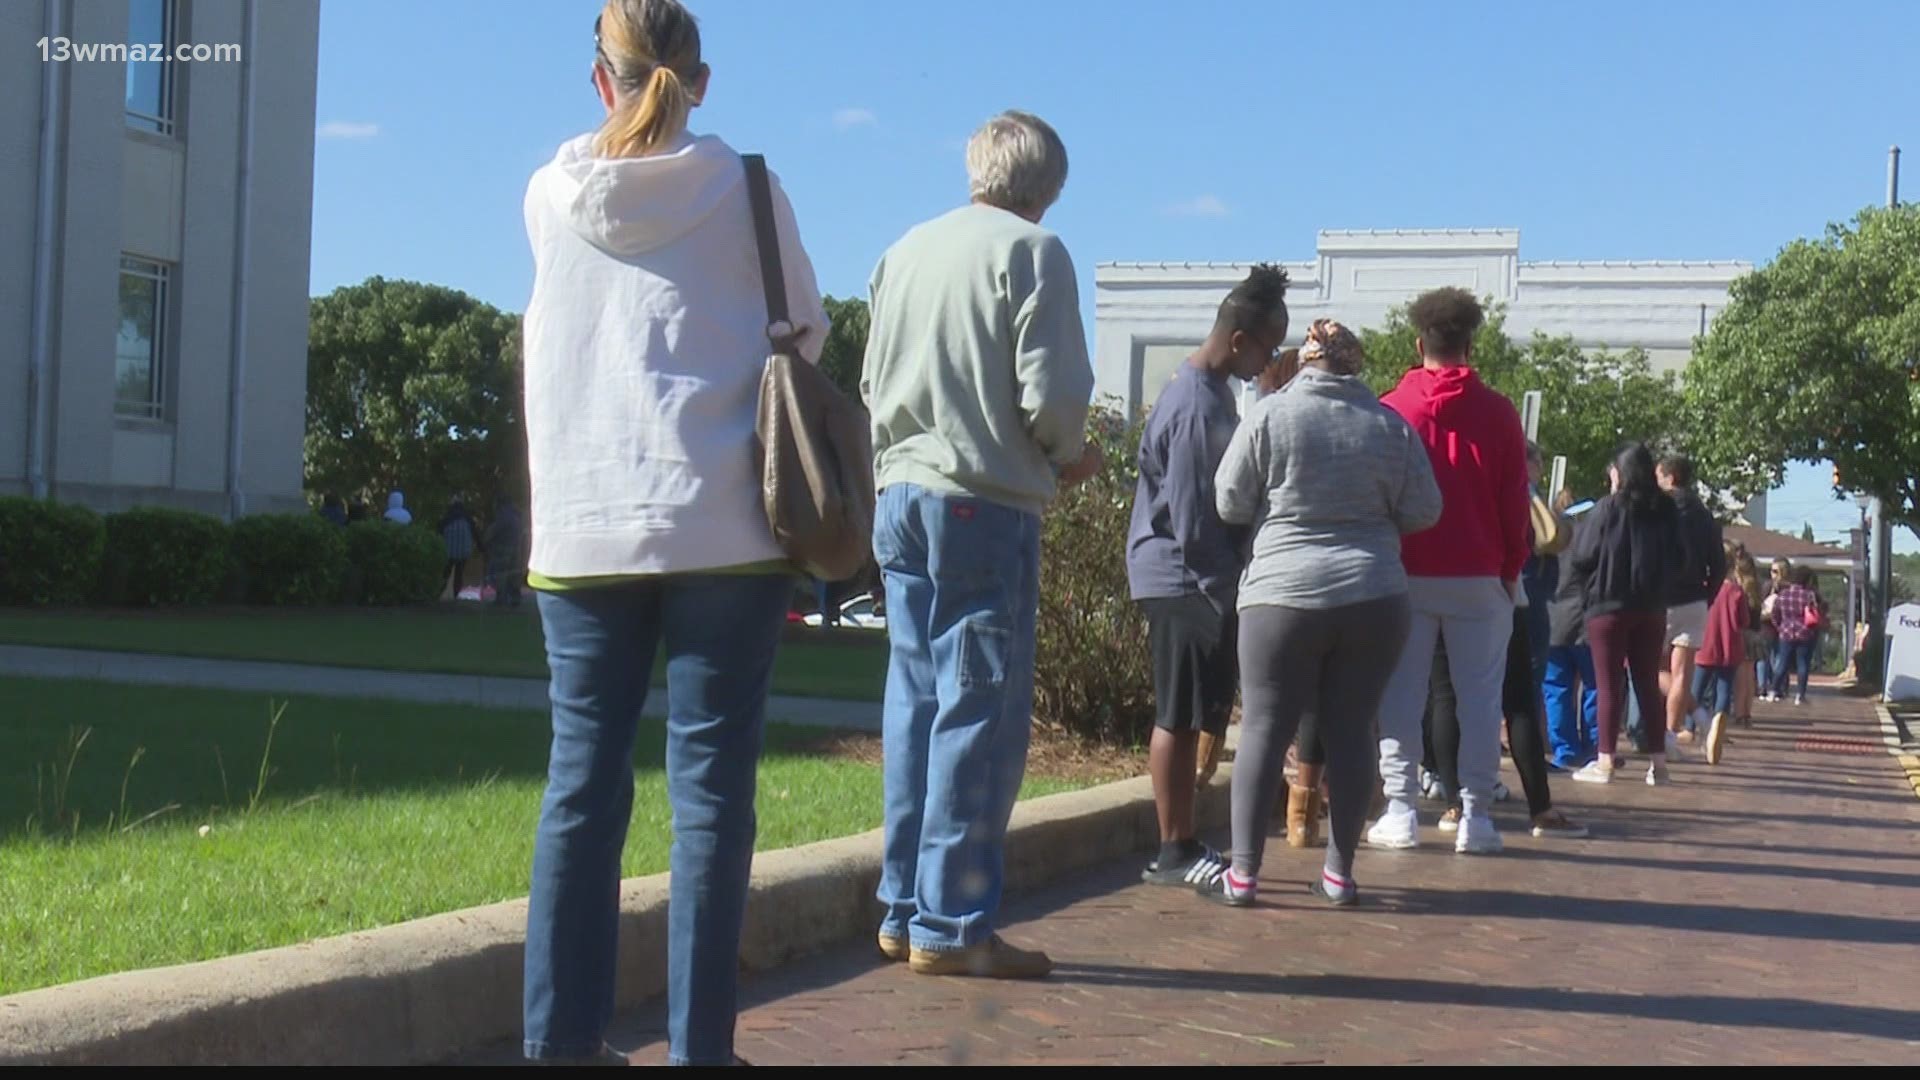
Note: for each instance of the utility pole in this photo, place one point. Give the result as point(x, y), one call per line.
point(1880, 541)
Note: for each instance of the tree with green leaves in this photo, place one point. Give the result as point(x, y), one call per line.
point(846, 348)
point(1591, 401)
point(413, 387)
point(1817, 358)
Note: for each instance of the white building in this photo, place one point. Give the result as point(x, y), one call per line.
point(155, 221)
point(1149, 316)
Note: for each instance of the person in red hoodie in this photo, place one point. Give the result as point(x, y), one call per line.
point(1722, 653)
point(1463, 574)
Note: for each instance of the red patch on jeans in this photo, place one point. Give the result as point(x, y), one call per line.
point(963, 511)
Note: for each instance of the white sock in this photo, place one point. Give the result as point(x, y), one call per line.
point(1337, 887)
point(1238, 886)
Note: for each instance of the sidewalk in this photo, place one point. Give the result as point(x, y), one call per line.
point(478, 691)
point(1765, 912)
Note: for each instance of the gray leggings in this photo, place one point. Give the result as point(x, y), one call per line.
point(1328, 664)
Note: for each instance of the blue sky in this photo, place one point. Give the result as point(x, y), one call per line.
point(1209, 129)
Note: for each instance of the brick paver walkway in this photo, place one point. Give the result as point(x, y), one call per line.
point(1764, 912)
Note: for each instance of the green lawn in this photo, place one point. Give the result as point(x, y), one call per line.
point(445, 638)
point(370, 813)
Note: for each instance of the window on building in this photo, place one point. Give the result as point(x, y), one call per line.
point(150, 29)
point(140, 352)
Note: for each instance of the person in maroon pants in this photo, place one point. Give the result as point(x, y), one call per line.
point(1629, 554)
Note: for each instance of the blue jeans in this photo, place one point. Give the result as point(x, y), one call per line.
point(1635, 730)
point(1792, 657)
point(1572, 731)
point(720, 633)
point(1713, 688)
point(1763, 670)
point(963, 584)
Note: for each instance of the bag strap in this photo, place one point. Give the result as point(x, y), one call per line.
point(772, 279)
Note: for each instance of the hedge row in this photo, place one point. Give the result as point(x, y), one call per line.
point(52, 553)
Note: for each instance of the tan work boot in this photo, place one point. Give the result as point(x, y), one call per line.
point(1303, 817)
point(991, 959)
point(893, 948)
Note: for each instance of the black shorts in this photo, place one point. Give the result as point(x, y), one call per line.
point(1195, 667)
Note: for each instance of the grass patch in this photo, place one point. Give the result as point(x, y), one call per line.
point(358, 815)
point(446, 639)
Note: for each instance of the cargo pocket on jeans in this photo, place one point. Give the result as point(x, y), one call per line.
point(986, 652)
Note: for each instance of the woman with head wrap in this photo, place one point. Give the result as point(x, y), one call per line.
point(1331, 479)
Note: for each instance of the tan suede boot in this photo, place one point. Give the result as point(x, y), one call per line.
point(1303, 817)
point(1212, 748)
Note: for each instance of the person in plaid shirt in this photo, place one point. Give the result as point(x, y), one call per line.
point(1796, 618)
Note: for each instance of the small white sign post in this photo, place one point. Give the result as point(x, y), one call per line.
point(1530, 405)
point(1559, 483)
point(1903, 659)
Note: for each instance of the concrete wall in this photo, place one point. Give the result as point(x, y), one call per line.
point(174, 199)
point(1148, 314)
point(20, 23)
point(275, 422)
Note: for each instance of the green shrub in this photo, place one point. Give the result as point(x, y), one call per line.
point(290, 558)
point(49, 552)
point(159, 557)
point(396, 564)
point(1092, 676)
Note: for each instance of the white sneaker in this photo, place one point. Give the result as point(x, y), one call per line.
point(1478, 836)
point(1800, 699)
point(1657, 776)
point(1397, 830)
point(1594, 773)
point(1450, 821)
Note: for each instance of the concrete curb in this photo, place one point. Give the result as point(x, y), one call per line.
point(1901, 749)
point(477, 691)
point(426, 991)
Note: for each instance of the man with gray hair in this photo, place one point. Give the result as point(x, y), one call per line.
point(978, 381)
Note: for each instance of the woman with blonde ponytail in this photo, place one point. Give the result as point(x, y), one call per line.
point(644, 340)
point(649, 74)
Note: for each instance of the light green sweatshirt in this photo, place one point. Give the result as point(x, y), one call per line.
point(976, 369)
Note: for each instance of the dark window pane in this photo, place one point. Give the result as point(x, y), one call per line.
point(148, 104)
point(135, 351)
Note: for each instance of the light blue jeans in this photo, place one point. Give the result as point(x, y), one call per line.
point(720, 633)
point(963, 590)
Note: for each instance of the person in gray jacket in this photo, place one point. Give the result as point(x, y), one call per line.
point(1332, 479)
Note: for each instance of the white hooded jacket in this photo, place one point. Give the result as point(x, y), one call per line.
point(644, 340)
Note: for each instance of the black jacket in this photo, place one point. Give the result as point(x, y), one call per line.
point(1628, 557)
point(1704, 565)
point(1566, 613)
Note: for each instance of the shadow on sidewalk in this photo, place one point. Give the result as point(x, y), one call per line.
point(1865, 792)
point(1817, 821)
point(1845, 875)
point(1783, 923)
point(1771, 849)
point(1789, 1014)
